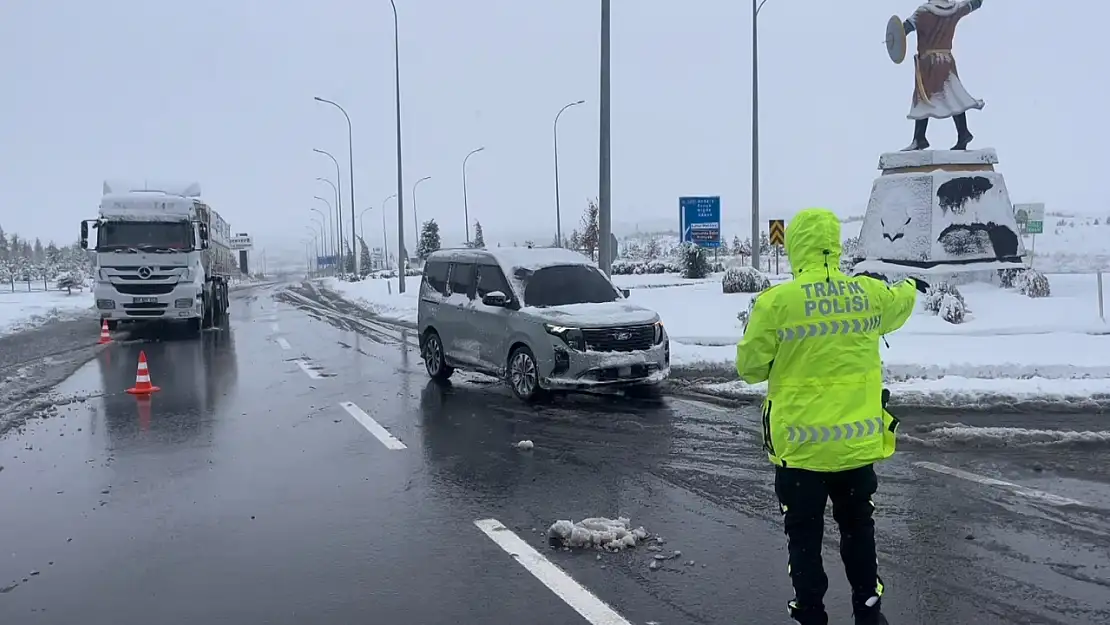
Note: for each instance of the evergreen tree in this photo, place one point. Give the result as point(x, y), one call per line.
point(575, 241)
point(53, 254)
point(590, 230)
point(736, 246)
point(349, 259)
point(764, 244)
point(15, 247)
point(652, 251)
point(694, 262)
point(3, 246)
point(479, 238)
point(364, 257)
point(38, 254)
point(429, 239)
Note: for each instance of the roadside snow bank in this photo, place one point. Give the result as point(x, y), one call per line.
point(597, 533)
point(24, 310)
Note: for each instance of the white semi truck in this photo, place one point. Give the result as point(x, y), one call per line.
point(162, 256)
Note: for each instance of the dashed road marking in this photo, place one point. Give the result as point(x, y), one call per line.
point(309, 371)
point(283, 343)
point(584, 602)
point(274, 327)
point(372, 426)
point(1017, 489)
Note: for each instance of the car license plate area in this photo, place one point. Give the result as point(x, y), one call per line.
point(624, 372)
point(145, 300)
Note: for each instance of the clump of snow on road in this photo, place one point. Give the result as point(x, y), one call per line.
point(525, 445)
point(597, 533)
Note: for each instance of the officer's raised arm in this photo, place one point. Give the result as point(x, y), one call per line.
point(895, 302)
point(756, 350)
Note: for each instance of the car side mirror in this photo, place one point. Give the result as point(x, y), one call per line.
point(495, 298)
point(626, 293)
point(84, 235)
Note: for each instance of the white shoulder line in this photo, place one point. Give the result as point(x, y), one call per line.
point(1017, 489)
point(372, 426)
point(584, 602)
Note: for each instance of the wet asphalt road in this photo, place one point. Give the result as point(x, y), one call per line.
point(244, 493)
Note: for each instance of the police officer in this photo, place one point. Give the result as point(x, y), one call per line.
point(815, 341)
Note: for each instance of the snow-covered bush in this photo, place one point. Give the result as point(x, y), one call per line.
point(744, 280)
point(694, 262)
point(935, 296)
point(1034, 284)
point(952, 309)
point(71, 280)
point(1008, 278)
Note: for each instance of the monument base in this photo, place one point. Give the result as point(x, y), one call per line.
point(938, 212)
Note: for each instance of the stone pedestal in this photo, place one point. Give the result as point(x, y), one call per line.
point(939, 211)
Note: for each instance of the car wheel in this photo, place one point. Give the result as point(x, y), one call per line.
point(434, 362)
point(524, 376)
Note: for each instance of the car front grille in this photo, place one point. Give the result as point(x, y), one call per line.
point(622, 339)
point(144, 288)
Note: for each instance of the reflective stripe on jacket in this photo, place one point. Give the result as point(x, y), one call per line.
point(815, 341)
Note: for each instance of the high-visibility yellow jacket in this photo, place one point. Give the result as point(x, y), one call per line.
point(815, 341)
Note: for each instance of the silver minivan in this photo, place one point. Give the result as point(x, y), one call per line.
point(541, 319)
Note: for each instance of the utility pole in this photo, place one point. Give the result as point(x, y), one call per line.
point(605, 215)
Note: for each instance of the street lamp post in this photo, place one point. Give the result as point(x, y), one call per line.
point(339, 242)
point(415, 219)
point(351, 166)
point(385, 235)
point(402, 255)
point(604, 199)
point(558, 211)
point(322, 228)
point(339, 203)
point(756, 6)
point(466, 208)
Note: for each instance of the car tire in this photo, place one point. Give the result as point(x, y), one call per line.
point(434, 361)
point(523, 375)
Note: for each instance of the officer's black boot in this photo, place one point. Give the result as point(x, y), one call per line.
point(963, 135)
point(919, 140)
point(870, 614)
point(808, 616)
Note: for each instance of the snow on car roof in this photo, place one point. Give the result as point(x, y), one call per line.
point(533, 258)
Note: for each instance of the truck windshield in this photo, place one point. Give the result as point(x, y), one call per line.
point(561, 285)
point(145, 236)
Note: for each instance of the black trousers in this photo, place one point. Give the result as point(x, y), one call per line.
point(802, 495)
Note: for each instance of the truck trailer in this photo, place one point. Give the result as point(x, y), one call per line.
point(162, 257)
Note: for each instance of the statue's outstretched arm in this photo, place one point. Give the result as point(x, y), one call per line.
point(967, 6)
point(910, 25)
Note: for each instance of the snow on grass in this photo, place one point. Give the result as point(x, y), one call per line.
point(24, 310)
point(597, 533)
point(380, 296)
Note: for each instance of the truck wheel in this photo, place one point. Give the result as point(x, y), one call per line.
point(113, 325)
point(193, 326)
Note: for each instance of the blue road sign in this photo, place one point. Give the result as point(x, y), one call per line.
point(700, 220)
point(325, 261)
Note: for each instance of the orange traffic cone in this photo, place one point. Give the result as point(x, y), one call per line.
point(104, 336)
point(142, 379)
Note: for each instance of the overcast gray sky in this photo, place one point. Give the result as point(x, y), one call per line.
point(220, 91)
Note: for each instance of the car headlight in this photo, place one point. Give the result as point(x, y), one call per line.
point(186, 274)
point(573, 337)
point(659, 333)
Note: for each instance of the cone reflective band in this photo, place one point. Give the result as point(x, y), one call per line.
point(142, 379)
point(105, 337)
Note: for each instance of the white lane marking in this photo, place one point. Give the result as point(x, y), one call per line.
point(309, 371)
point(284, 343)
point(584, 602)
point(1017, 489)
point(372, 426)
point(275, 327)
point(704, 405)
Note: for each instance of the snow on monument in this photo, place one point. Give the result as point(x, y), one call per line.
point(938, 211)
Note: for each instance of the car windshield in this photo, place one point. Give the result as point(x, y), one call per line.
point(565, 284)
point(144, 236)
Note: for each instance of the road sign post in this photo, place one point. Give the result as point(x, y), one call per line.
point(1030, 221)
point(776, 234)
point(700, 220)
